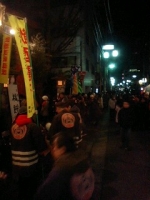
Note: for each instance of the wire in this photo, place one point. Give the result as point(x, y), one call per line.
point(107, 11)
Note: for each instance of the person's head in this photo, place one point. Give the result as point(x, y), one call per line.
point(126, 104)
point(22, 110)
point(61, 144)
point(45, 98)
point(62, 106)
point(61, 95)
point(82, 182)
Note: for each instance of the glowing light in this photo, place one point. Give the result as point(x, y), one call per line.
point(111, 66)
point(114, 53)
point(12, 31)
point(134, 76)
point(108, 47)
point(106, 54)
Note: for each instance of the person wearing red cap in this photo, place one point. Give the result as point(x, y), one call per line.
point(27, 143)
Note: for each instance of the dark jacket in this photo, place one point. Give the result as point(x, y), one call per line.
point(57, 184)
point(67, 122)
point(125, 117)
point(27, 142)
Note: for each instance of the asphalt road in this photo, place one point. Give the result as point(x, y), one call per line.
point(120, 174)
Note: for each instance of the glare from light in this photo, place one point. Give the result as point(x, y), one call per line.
point(114, 53)
point(106, 54)
point(112, 80)
point(140, 82)
point(144, 80)
point(111, 66)
point(134, 76)
point(108, 47)
point(12, 31)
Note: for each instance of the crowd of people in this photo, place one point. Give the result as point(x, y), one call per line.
point(130, 113)
point(48, 161)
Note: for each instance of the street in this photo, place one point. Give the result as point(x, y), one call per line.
point(120, 174)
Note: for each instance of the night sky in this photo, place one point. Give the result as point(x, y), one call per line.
point(129, 21)
point(131, 30)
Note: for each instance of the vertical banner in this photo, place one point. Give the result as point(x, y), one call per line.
point(5, 58)
point(21, 36)
point(75, 84)
point(14, 100)
point(74, 70)
point(80, 87)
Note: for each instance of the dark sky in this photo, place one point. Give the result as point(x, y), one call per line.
point(130, 22)
point(130, 19)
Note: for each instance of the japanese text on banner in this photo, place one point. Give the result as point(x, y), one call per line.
point(19, 25)
point(5, 58)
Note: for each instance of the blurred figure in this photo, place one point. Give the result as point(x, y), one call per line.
point(65, 120)
point(118, 107)
point(71, 176)
point(44, 110)
point(125, 120)
point(62, 97)
point(112, 105)
point(94, 110)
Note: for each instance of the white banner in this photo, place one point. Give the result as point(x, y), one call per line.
point(14, 100)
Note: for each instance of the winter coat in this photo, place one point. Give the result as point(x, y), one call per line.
point(125, 118)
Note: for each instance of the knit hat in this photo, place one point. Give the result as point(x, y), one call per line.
point(23, 110)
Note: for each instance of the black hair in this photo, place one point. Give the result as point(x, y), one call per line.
point(64, 140)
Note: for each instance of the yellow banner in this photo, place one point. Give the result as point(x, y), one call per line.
point(5, 58)
point(21, 37)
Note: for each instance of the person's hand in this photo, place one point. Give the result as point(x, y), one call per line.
point(3, 175)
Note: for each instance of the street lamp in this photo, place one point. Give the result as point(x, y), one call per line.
point(109, 55)
point(111, 66)
point(115, 53)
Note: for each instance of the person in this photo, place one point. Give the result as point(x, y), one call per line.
point(112, 105)
point(27, 145)
point(62, 97)
point(3, 177)
point(65, 120)
point(125, 120)
point(71, 176)
point(45, 110)
point(118, 108)
point(94, 110)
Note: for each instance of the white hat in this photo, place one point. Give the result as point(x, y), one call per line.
point(45, 97)
point(47, 126)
